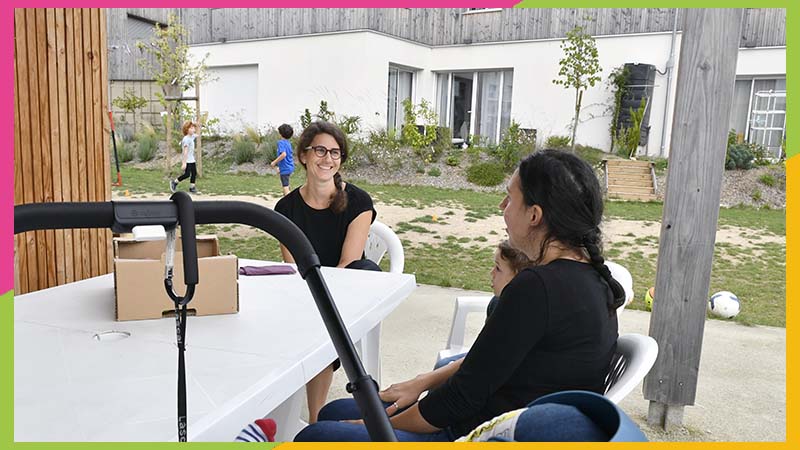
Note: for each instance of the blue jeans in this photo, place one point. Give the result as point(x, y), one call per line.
point(329, 429)
point(445, 361)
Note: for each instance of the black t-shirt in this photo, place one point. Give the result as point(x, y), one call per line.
point(550, 331)
point(325, 229)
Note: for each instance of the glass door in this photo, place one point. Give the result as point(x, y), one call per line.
point(475, 103)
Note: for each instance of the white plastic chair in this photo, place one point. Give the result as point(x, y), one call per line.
point(623, 276)
point(382, 239)
point(633, 360)
point(467, 305)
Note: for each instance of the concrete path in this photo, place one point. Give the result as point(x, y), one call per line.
point(741, 393)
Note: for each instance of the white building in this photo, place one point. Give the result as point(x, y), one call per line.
point(476, 88)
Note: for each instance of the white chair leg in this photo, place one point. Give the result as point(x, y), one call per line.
point(287, 417)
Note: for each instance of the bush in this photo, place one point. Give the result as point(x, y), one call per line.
point(147, 140)
point(357, 153)
point(486, 174)
point(383, 139)
point(124, 152)
point(591, 155)
point(453, 159)
point(244, 150)
point(739, 156)
point(269, 144)
point(350, 125)
point(443, 141)
point(434, 172)
point(756, 195)
point(474, 153)
point(760, 154)
point(411, 134)
point(514, 146)
point(557, 142)
point(767, 180)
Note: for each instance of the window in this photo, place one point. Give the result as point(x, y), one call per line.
point(401, 83)
point(481, 10)
point(758, 113)
point(475, 103)
point(140, 29)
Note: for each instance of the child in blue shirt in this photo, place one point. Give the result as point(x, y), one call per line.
point(284, 161)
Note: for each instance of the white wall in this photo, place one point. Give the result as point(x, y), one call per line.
point(761, 61)
point(232, 95)
point(350, 71)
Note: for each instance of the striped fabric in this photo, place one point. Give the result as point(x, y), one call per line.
point(262, 430)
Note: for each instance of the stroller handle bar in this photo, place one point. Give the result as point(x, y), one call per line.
point(121, 217)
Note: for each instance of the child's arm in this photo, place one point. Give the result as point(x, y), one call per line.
point(280, 158)
point(184, 156)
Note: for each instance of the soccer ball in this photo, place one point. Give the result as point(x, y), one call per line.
point(648, 298)
point(724, 304)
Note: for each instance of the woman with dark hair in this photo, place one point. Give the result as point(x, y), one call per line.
point(554, 327)
point(334, 215)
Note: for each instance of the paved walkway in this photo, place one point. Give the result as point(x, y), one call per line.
point(741, 394)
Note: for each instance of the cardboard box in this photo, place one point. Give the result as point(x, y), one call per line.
point(139, 280)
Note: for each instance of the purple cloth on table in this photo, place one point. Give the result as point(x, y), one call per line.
point(266, 270)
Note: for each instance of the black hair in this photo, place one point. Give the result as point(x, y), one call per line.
point(567, 190)
point(285, 131)
point(339, 199)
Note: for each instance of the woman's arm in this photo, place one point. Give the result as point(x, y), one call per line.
point(287, 257)
point(356, 239)
point(408, 392)
point(411, 420)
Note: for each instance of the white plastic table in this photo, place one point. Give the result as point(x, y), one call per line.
point(70, 386)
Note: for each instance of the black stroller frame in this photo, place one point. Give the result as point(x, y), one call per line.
point(121, 217)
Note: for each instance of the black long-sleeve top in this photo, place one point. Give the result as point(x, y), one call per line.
point(551, 331)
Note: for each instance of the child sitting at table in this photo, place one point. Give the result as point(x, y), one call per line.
point(508, 262)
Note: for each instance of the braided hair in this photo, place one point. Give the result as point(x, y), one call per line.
point(567, 190)
point(339, 198)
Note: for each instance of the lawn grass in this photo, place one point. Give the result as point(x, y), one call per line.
point(771, 220)
point(755, 273)
point(479, 205)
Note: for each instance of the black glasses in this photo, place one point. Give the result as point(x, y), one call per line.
point(321, 150)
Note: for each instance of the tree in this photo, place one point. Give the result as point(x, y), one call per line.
point(580, 67)
point(130, 102)
point(172, 69)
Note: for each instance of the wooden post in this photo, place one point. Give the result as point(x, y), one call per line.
point(706, 74)
point(168, 154)
point(17, 289)
point(199, 140)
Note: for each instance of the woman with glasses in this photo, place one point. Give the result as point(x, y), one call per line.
point(334, 215)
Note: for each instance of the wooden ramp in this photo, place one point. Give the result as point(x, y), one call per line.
point(630, 180)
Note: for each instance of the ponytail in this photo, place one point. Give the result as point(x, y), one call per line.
point(339, 199)
point(593, 246)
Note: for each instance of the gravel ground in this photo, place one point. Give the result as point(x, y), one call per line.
point(740, 187)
